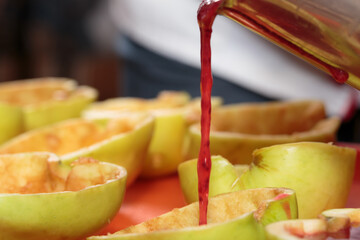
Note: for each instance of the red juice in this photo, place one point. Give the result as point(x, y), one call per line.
point(206, 15)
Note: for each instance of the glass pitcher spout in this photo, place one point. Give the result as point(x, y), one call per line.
point(325, 33)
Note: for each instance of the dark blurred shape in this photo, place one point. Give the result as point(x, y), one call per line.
point(53, 38)
point(12, 18)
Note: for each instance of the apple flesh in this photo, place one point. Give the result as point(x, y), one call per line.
point(309, 229)
point(235, 215)
point(223, 178)
point(321, 174)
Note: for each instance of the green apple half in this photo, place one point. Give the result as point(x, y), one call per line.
point(321, 174)
point(237, 130)
point(235, 215)
point(42, 101)
point(173, 111)
point(306, 229)
point(340, 221)
point(41, 198)
point(223, 178)
point(123, 141)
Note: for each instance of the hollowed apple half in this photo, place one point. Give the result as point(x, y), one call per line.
point(340, 221)
point(173, 111)
point(320, 173)
point(235, 215)
point(41, 101)
point(309, 229)
point(123, 141)
point(237, 130)
point(41, 198)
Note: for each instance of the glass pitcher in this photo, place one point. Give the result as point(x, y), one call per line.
point(325, 33)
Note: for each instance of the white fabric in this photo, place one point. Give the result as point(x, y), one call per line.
point(169, 27)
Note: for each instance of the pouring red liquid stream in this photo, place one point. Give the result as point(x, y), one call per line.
point(206, 16)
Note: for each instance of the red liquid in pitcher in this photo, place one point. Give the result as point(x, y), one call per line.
point(300, 28)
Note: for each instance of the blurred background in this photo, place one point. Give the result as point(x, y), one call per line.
point(67, 38)
point(74, 39)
